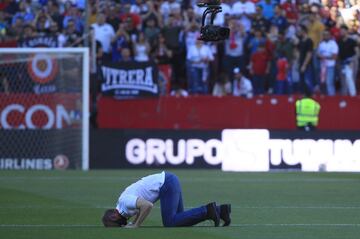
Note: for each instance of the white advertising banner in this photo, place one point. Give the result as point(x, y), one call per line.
point(254, 150)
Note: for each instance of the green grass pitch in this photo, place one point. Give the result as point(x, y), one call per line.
point(69, 204)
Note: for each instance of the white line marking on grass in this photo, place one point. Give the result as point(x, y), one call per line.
point(269, 207)
point(296, 207)
point(55, 178)
point(297, 225)
point(158, 207)
point(187, 180)
point(47, 225)
point(290, 207)
point(272, 180)
point(232, 225)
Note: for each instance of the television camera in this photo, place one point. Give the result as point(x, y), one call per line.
point(212, 32)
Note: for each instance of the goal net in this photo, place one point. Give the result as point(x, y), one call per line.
point(44, 104)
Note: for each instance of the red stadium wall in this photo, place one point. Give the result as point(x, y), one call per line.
point(208, 112)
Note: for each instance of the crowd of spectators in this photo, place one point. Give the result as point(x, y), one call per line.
point(65, 20)
point(275, 46)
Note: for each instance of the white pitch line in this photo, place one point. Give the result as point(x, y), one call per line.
point(298, 225)
point(283, 207)
point(192, 180)
point(296, 207)
point(47, 225)
point(232, 225)
point(55, 178)
point(232, 206)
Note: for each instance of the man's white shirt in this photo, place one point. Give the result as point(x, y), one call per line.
point(240, 8)
point(242, 87)
point(327, 49)
point(147, 188)
point(238, 50)
point(247, 7)
point(104, 33)
point(197, 55)
point(166, 8)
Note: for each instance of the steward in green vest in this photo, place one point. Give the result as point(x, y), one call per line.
point(307, 113)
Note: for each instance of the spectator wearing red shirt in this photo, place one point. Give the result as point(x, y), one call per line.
point(282, 65)
point(3, 5)
point(259, 68)
point(334, 28)
point(134, 18)
point(291, 11)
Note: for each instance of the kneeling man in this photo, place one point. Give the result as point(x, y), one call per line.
point(138, 198)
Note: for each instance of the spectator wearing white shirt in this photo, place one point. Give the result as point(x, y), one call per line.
point(178, 92)
point(223, 86)
point(141, 48)
point(139, 7)
point(241, 85)
point(198, 58)
point(103, 32)
point(169, 6)
point(244, 10)
point(192, 33)
point(327, 53)
point(225, 11)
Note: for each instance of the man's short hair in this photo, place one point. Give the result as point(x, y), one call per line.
point(303, 28)
point(343, 26)
point(109, 219)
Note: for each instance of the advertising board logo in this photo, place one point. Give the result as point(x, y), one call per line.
point(61, 162)
point(248, 150)
point(34, 117)
point(138, 79)
point(42, 68)
point(26, 163)
point(158, 151)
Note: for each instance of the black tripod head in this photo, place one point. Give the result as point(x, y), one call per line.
point(211, 32)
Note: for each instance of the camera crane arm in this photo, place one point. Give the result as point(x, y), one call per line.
point(211, 32)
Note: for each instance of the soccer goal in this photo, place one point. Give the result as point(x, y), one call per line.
point(44, 108)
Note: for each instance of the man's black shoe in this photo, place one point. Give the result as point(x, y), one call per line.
point(213, 214)
point(225, 211)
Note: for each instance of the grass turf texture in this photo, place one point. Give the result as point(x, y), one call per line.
point(292, 205)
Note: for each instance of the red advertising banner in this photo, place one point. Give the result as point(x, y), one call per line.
point(45, 111)
point(208, 112)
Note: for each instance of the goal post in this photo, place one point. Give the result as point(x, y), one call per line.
point(44, 108)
